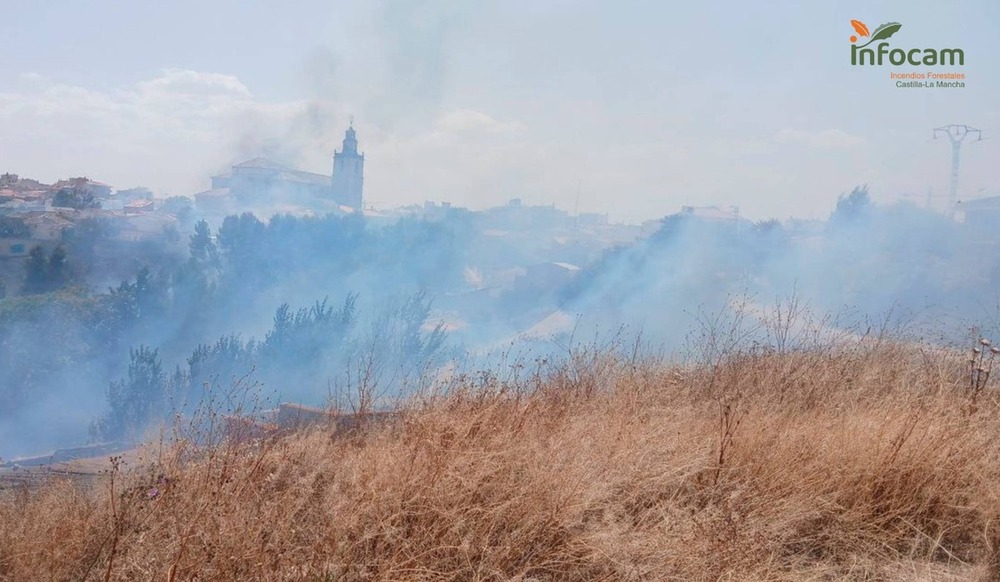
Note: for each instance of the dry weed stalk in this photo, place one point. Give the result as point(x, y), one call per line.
point(980, 368)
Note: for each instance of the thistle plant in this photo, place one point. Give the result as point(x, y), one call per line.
point(980, 367)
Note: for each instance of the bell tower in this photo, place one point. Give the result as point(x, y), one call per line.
point(348, 177)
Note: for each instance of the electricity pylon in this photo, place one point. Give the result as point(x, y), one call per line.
point(956, 134)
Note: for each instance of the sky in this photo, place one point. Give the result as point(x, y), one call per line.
point(630, 108)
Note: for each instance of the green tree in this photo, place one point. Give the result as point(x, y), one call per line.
point(59, 274)
point(46, 273)
point(180, 206)
point(136, 400)
point(75, 198)
point(203, 249)
point(36, 271)
point(150, 295)
point(852, 207)
point(241, 236)
point(242, 244)
point(84, 237)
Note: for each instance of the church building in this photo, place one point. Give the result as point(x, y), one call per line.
point(348, 177)
point(263, 184)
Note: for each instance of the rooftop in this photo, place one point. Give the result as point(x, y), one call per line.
point(279, 171)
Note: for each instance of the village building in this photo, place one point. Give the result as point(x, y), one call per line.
point(83, 185)
point(15, 247)
point(729, 214)
point(262, 183)
point(47, 225)
point(347, 181)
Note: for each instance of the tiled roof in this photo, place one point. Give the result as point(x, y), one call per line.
point(283, 172)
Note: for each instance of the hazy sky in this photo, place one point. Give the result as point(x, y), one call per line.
point(639, 107)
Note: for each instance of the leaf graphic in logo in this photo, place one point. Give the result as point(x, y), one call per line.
point(884, 32)
point(860, 27)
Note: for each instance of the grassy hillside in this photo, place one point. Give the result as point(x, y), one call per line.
point(869, 461)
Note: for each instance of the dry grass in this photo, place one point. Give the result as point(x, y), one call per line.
point(865, 463)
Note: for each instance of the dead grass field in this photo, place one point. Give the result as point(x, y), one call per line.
point(875, 461)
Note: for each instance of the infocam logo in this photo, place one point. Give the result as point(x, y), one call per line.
point(881, 54)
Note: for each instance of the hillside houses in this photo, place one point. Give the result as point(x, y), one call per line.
point(132, 215)
point(94, 188)
point(46, 224)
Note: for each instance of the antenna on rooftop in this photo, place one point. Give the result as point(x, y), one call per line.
point(576, 205)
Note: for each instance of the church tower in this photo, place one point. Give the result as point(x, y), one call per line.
point(348, 172)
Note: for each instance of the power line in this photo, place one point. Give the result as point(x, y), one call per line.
point(956, 134)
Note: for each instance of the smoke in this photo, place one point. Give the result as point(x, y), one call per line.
point(264, 294)
point(864, 262)
point(415, 37)
point(299, 302)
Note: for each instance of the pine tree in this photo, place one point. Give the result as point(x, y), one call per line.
point(203, 249)
point(58, 271)
point(136, 400)
point(36, 271)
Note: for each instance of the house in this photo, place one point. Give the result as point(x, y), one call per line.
point(217, 201)
point(12, 248)
point(122, 199)
point(516, 216)
point(83, 185)
point(46, 225)
point(138, 206)
point(14, 182)
point(137, 227)
point(712, 213)
point(133, 194)
point(25, 200)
